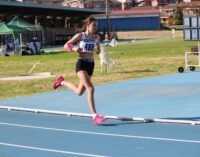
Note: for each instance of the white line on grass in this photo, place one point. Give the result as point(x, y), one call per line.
point(102, 134)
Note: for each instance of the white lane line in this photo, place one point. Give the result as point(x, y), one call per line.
point(102, 134)
point(49, 150)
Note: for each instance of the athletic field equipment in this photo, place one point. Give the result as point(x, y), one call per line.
point(69, 114)
point(192, 67)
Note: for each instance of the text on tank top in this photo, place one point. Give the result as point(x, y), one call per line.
point(87, 45)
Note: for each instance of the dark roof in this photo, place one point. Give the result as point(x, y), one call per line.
point(44, 9)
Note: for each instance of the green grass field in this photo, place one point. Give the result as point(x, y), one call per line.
point(142, 59)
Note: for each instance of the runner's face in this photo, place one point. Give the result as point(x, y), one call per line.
point(92, 27)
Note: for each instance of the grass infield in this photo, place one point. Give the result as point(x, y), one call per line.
point(141, 59)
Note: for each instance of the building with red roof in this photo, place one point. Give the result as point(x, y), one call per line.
point(166, 14)
point(138, 18)
point(190, 8)
point(136, 11)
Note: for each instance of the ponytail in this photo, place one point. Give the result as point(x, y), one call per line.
point(88, 21)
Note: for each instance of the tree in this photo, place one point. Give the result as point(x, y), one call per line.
point(178, 16)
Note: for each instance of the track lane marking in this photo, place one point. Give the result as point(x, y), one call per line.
point(49, 150)
point(100, 133)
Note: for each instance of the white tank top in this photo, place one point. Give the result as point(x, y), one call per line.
point(87, 45)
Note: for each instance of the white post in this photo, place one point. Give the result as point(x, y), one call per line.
point(186, 60)
point(20, 40)
point(173, 33)
point(42, 37)
point(14, 42)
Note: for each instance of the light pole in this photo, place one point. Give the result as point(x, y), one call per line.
point(108, 16)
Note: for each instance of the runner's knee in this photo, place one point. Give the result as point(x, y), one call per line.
point(90, 89)
point(79, 93)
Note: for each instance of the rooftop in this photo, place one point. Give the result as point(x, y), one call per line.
point(44, 9)
point(136, 11)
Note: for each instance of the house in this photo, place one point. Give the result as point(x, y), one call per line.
point(190, 8)
point(166, 14)
point(114, 4)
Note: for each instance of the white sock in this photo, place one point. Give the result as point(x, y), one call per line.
point(94, 115)
point(62, 83)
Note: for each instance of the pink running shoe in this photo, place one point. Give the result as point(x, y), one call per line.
point(58, 82)
point(98, 119)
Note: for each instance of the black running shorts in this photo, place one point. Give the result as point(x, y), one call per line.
point(85, 64)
